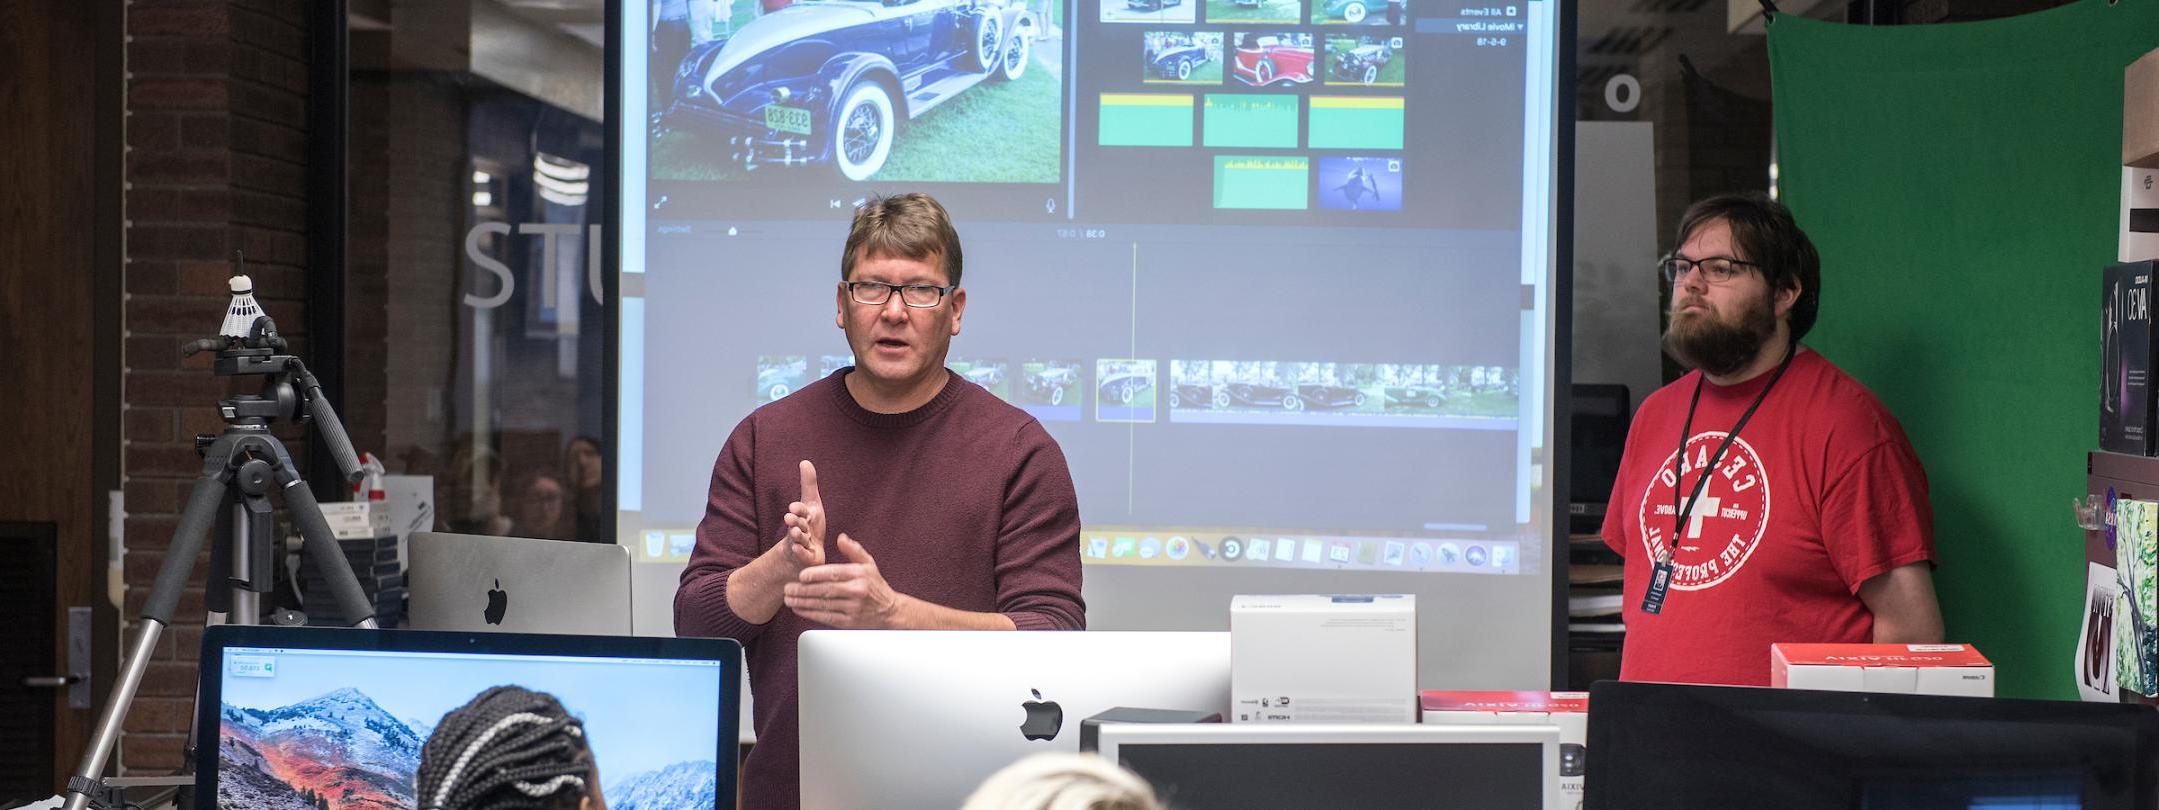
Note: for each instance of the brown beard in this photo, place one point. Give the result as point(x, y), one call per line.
point(1705, 341)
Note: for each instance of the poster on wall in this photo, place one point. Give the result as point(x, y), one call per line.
point(2136, 610)
point(2095, 642)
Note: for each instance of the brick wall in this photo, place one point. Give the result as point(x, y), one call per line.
point(216, 162)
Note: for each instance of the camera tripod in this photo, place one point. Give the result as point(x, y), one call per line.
point(241, 467)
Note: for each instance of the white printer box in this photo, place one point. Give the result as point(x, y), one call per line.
point(1567, 711)
point(1323, 659)
point(1923, 669)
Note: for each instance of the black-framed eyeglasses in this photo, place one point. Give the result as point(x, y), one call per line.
point(876, 293)
point(1715, 269)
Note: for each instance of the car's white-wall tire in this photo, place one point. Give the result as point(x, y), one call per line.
point(1018, 51)
point(1371, 74)
point(1184, 69)
point(982, 52)
point(1221, 399)
point(862, 132)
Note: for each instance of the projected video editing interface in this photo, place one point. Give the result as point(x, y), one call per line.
point(1257, 265)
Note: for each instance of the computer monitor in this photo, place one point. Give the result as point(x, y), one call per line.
point(1256, 766)
point(920, 718)
point(1600, 416)
point(1664, 745)
point(518, 584)
point(292, 712)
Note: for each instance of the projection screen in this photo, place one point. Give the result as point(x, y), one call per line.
point(1280, 276)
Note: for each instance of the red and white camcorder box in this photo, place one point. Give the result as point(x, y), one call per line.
point(1921, 669)
point(1569, 711)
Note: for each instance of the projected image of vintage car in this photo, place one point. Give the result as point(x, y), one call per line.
point(1415, 396)
point(834, 82)
point(1360, 12)
point(990, 374)
point(1048, 383)
point(1178, 57)
point(1255, 11)
point(780, 375)
point(1366, 61)
point(1159, 11)
point(1265, 59)
point(1125, 391)
point(1263, 395)
point(1197, 395)
point(1321, 395)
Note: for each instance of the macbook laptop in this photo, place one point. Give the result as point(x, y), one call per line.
point(518, 584)
point(920, 718)
point(295, 712)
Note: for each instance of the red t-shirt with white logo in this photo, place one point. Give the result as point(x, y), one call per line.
point(1820, 493)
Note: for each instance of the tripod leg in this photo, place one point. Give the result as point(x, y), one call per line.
point(320, 546)
point(202, 507)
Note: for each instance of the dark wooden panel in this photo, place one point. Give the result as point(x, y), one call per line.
point(48, 203)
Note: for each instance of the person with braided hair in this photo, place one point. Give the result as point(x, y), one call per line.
point(509, 748)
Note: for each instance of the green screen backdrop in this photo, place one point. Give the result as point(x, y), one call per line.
point(1963, 184)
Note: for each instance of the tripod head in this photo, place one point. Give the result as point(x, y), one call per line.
point(251, 346)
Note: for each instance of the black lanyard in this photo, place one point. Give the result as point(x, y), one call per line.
point(1660, 579)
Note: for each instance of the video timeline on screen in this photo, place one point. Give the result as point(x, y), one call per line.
point(1246, 392)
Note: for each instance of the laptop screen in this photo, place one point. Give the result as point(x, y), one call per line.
point(309, 725)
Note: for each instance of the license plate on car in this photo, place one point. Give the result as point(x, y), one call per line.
point(787, 119)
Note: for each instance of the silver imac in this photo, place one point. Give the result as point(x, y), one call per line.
point(919, 718)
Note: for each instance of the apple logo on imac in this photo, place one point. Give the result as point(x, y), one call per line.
point(498, 603)
point(1044, 718)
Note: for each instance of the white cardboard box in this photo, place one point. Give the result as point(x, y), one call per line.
point(353, 520)
point(1567, 711)
point(1315, 658)
point(1923, 669)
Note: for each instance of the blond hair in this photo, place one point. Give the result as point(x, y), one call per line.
point(1056, 781)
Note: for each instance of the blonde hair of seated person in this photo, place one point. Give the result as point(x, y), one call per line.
point(1063, 782)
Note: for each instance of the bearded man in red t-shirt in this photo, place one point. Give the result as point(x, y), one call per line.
point(893, 494)
point(1766, 496)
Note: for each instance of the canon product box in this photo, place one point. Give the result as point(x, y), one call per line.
point(1323, 659)
point(2126, 422)
point(1922, 669)
point(1567, 711)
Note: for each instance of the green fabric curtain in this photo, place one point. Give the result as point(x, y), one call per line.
point(1963, 184)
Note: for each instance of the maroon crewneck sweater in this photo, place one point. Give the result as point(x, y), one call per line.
point(964, 502)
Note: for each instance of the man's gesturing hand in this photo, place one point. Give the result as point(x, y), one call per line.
point(851, 595)
point(806, 525)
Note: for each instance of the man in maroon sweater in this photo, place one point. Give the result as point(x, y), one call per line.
point(944, 507)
